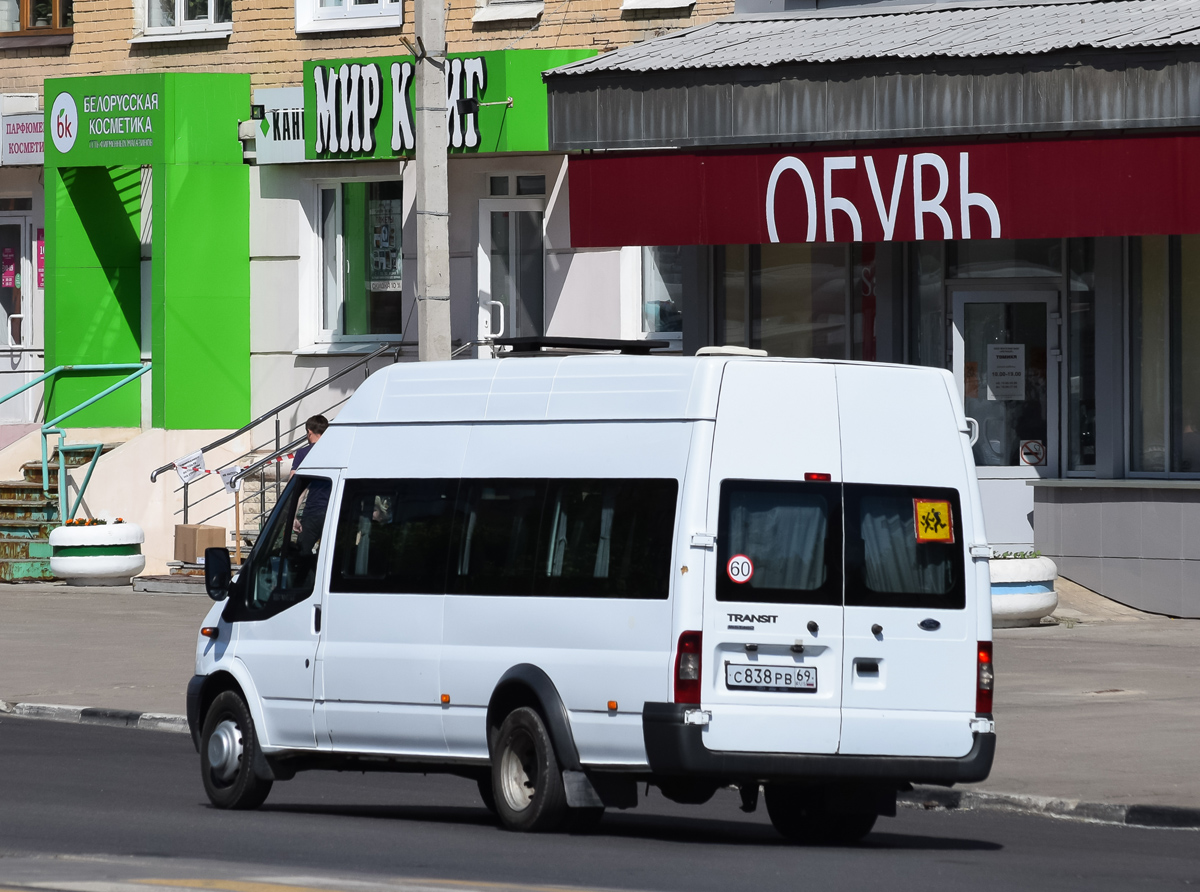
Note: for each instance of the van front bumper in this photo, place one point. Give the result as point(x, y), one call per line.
point(676, 748)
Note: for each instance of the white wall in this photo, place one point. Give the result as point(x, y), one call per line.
point(583, 288)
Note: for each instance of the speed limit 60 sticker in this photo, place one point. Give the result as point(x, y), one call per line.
point(740, 568)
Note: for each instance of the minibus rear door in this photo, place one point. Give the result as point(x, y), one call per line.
point(911, 588)
point(771, 669)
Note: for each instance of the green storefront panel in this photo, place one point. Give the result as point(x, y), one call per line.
point(183, 127)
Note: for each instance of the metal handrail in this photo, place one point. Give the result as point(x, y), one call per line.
point(263, 462)
point(293, 400)
point(50, 427)
point(45, 376)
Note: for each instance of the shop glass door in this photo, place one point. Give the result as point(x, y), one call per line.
point(511, 268)
point(1006, 355)
point(12, 282)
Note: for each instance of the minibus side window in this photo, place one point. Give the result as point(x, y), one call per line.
point(789, 534)
point(607, 538)
point(393, 536)
point(902, 550)
point(281, 570)
point(496, 536)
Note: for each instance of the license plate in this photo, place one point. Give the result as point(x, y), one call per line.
point(770, 678)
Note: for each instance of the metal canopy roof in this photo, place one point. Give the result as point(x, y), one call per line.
point(909, 32)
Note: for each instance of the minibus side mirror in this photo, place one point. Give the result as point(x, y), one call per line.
point(217, 573)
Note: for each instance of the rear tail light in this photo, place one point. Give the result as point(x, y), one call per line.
point(687, 668)
point(813, 476)
point(985, 679)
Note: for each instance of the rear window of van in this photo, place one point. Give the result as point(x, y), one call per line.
point(779, 542)
point(904, 547)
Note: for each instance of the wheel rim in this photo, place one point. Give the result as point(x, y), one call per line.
point(225, 751)
point(518, 772)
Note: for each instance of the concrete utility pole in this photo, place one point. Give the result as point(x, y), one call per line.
point(433, 203)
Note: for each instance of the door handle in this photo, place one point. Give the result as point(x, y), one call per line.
point(316, 619)
point(973, 430)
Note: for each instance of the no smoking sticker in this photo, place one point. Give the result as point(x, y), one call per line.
point(934, 522)
point(740, 568)
point(1033, 452)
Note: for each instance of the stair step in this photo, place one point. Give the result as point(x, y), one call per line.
point(24, 491)
point(24, 570)
point(31, 528)
point(19, 509)
point(24, 549)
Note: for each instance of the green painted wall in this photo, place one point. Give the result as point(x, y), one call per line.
point(184, 126)
point(93, 291)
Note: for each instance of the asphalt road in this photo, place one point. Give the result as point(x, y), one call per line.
point(93, 809)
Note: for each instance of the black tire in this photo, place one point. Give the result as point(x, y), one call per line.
point(527, 783)
point(800, 820)
point(486, 794)
point(228, 746)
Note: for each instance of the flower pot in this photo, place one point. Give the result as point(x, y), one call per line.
point(1022, 590)
point(105, 554)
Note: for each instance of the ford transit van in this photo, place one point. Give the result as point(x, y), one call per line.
point(563, 576)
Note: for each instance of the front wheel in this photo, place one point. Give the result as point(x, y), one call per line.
point(527, 783)
point(228, 745)
point(803, 821)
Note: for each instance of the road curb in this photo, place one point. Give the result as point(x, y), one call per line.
point(1159, 816)
point(90, 715)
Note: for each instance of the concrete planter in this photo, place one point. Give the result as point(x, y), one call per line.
point(1022, 590)
point(106, 554)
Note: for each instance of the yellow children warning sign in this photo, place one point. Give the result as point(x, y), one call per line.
point(934, 523)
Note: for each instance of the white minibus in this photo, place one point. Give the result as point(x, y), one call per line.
point(567, 576)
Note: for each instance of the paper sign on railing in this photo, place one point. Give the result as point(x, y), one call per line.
point(191, 467)
point(227, 475)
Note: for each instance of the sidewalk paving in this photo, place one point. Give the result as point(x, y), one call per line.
point(1103, 707)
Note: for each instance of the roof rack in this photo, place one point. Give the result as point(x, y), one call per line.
point(540, 344)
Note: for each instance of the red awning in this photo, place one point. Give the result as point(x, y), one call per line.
point(1043, 189)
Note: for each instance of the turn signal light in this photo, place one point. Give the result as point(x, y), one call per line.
point(210, 632)
point(445, 698)
point(612, 705)
point(819, 478)
point(986, 679)
point(687, 668)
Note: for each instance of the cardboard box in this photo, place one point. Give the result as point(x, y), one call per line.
point(192, 538)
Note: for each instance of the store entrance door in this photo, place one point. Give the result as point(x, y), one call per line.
point(14, 284)
point(511, 262)
point(1006, 354)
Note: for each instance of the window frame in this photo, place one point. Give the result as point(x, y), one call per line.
point(336, 336)
point(675, 337)
point(312, 17)
point(26, 28)
point(1172, 334)
point(207, 26)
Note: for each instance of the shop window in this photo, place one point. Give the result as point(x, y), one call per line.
point(35, 17)
point(1081, 356)
point(790, 300)
point(360, 228)
point(1164, 379)
point(927, 326)
point(662, 290)
point(1004, 258)
point(182, 16)
point(347, 15)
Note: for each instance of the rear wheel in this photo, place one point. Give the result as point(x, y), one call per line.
point(527, 782)
point(801, 819)
point(228, 745)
